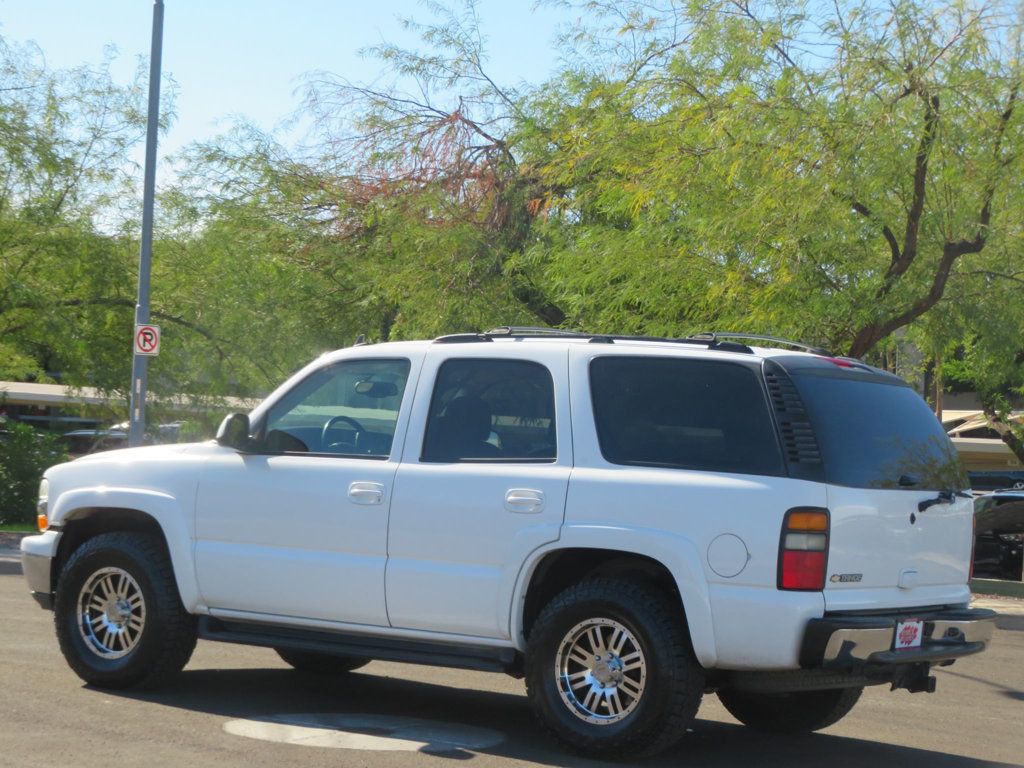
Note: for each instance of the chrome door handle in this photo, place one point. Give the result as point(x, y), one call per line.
point(524, 500)
point(369, 494)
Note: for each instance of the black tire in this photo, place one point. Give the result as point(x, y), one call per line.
point(798, 712)
point(320, 663)
point(157, 640)
point(669, 679)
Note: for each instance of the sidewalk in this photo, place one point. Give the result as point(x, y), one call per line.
point(9, 545)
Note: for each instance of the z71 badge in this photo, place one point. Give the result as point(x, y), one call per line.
point(845, 578)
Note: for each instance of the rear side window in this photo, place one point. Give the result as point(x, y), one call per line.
point(491, 410)
point(871, 434)
point(685, 414)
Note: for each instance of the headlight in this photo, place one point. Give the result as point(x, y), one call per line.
point(42, 511)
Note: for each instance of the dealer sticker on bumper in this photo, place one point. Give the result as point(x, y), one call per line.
point(908, 634)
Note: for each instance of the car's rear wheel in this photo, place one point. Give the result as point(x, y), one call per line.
point(320, 663)
point(798, 712)
point(119, 619)
point(610, 671)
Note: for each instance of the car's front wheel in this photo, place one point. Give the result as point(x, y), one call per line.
point(119, 619)
point(610, 671)
point(799, 712)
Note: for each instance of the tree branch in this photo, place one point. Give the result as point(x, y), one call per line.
point(908, 253)
point(890, 238)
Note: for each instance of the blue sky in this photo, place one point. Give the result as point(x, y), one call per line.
point(234, 58)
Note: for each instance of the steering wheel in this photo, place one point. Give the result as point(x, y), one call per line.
point(359, 429)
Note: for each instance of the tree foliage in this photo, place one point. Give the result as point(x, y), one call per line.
point(24, 455)
point(830, 172)
point(64, 138)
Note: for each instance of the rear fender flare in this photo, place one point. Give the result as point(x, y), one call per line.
point(678, 554)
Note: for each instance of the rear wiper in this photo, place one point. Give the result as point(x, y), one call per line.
point(944, 497)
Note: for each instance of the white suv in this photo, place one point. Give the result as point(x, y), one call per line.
point(627, 522)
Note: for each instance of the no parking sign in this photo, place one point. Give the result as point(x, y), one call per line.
point(147, 340)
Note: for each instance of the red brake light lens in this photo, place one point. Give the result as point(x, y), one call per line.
point(803, 570)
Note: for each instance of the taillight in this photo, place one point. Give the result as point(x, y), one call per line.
point(803, 549)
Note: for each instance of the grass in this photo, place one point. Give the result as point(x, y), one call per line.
point(17, 527)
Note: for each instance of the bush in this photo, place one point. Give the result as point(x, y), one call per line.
point(24, 454)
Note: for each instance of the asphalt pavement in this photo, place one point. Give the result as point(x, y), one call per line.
point(239, 706)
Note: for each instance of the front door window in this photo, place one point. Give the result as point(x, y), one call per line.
point(349, 408)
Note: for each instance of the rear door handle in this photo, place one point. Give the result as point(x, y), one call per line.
point(368, 494)
point(524, 501)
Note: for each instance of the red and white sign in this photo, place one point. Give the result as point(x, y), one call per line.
point(908, 634)
point(147, 340)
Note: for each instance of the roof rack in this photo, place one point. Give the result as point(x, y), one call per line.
point(725, 341)
point(535, 330)
point(715, 335)
point(516, 332)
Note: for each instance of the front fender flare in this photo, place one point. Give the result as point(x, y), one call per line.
point(168, 512)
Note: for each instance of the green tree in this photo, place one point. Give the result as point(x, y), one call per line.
point(24, 455)
point(827, 172)
point(65, 275)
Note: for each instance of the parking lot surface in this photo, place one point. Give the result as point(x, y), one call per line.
point(239, 706)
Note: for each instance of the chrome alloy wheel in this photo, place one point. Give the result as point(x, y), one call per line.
point(601, 671)
point(111, 613)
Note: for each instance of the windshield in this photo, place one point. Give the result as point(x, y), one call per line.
point(878, 435)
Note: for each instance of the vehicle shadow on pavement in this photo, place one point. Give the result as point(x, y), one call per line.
point(1012, 693)
point(1010, 622)
point(267, 694)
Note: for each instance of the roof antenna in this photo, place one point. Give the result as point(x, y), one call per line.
point(360, 340)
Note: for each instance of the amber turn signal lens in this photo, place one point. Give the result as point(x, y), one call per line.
point(807, 521)
point(42, 522)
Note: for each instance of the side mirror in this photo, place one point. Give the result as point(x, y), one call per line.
point(234, 432)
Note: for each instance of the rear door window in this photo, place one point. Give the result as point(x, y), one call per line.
point(874, 434)
point(684, 414)
point(491, 410)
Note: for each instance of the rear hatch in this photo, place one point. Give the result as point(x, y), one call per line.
point(901, 521)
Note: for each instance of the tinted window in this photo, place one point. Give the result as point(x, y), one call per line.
point(872, 433)
point(349, 408)
point(491, 410)
point(689, 414)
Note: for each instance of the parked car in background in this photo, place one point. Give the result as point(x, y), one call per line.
point(999, 535)
point(81, 442)
point(984, 482)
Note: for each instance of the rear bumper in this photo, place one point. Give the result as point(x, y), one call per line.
point(851, 642)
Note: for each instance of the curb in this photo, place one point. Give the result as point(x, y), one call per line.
point(998, 587)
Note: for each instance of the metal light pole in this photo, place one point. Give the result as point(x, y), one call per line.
point(138, 392)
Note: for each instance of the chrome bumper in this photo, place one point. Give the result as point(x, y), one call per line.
point(850, 642)
point(37, 553)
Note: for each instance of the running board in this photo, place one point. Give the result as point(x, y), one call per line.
point(478, 657)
